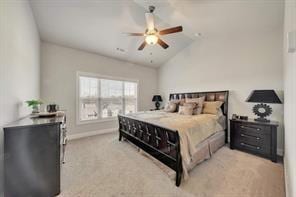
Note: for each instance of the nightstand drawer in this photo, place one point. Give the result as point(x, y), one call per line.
point(259, 149)
point(246, 141)
point(255, 130)
point(254, 140)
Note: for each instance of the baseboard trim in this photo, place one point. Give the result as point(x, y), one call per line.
point(286, 175)
point(90, 133)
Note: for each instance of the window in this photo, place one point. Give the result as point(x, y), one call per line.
point(102, 98)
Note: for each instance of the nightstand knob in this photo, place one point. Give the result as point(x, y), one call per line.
point(258, 129)
point(257, 138)
point(257, 147)
point(242, 127)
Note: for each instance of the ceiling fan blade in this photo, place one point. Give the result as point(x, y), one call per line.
point(171, 30)
point(134, 34)
point(142, 46)
point(149, 21)
point(162, 43)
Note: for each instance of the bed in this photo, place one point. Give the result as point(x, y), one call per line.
point(172, 139)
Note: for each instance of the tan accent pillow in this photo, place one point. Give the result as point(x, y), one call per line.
point(212, 107)
point(199, 104)
point(170, 107)
point(185, 110)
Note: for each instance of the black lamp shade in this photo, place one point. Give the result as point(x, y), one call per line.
point(263, 96)
point(157, 98)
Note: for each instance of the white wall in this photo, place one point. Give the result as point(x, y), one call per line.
point(19, 63)
point(58, 80)
point(290, 104)
point(239, 63)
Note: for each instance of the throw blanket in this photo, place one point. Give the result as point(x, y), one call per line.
point(192, 129)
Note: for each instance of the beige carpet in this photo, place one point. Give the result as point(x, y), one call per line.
point(103, 166)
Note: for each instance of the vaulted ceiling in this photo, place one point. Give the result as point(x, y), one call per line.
point(97, 25)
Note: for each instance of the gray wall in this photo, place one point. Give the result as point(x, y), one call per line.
point(290, 104)
point(59, 66)
point(19, 64)
point(237, 62)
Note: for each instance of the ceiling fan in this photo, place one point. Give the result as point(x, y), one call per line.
point(152, 35)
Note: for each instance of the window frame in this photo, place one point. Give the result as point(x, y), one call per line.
point(99, 76)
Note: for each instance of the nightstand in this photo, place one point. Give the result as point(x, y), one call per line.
point(259, 138)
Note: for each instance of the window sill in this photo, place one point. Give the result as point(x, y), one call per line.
point(95, 121)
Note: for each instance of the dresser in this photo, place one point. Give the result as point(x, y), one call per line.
point(32, 158)
point(259, 138)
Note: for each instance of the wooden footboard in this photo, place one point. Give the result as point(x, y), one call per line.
point(161, 143)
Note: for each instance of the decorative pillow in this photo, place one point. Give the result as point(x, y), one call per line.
point(212, 107)
point(170, 107)
point(179, 102)
point(220, 112)
point(192, 105)
point(199, 104)
point(185, 110)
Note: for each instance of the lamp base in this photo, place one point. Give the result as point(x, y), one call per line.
point(262, 120)
point(157, 105)
point(262, 110)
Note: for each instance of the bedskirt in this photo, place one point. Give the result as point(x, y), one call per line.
point(204, 151)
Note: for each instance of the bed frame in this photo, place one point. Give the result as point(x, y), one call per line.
point(164, 143)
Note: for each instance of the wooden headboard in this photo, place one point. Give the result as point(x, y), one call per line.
point(209, 96)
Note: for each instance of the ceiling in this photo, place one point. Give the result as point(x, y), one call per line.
point(97, 25)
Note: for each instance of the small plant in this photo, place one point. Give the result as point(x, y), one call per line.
point(35, 105)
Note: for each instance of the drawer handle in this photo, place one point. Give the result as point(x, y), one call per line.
point(243, 127)
point(257, 138)
point(250, 146)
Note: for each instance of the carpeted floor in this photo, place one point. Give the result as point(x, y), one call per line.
point(101, 166)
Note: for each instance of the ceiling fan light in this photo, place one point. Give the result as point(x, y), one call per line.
point(151, 39)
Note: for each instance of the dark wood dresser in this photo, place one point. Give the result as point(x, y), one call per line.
point(254, 137)
point(32, 157)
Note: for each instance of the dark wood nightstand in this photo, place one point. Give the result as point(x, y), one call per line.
point(254, 137)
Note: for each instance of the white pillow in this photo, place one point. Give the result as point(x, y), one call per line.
point(220, 112)
point(170, 107)
point(179, 102)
